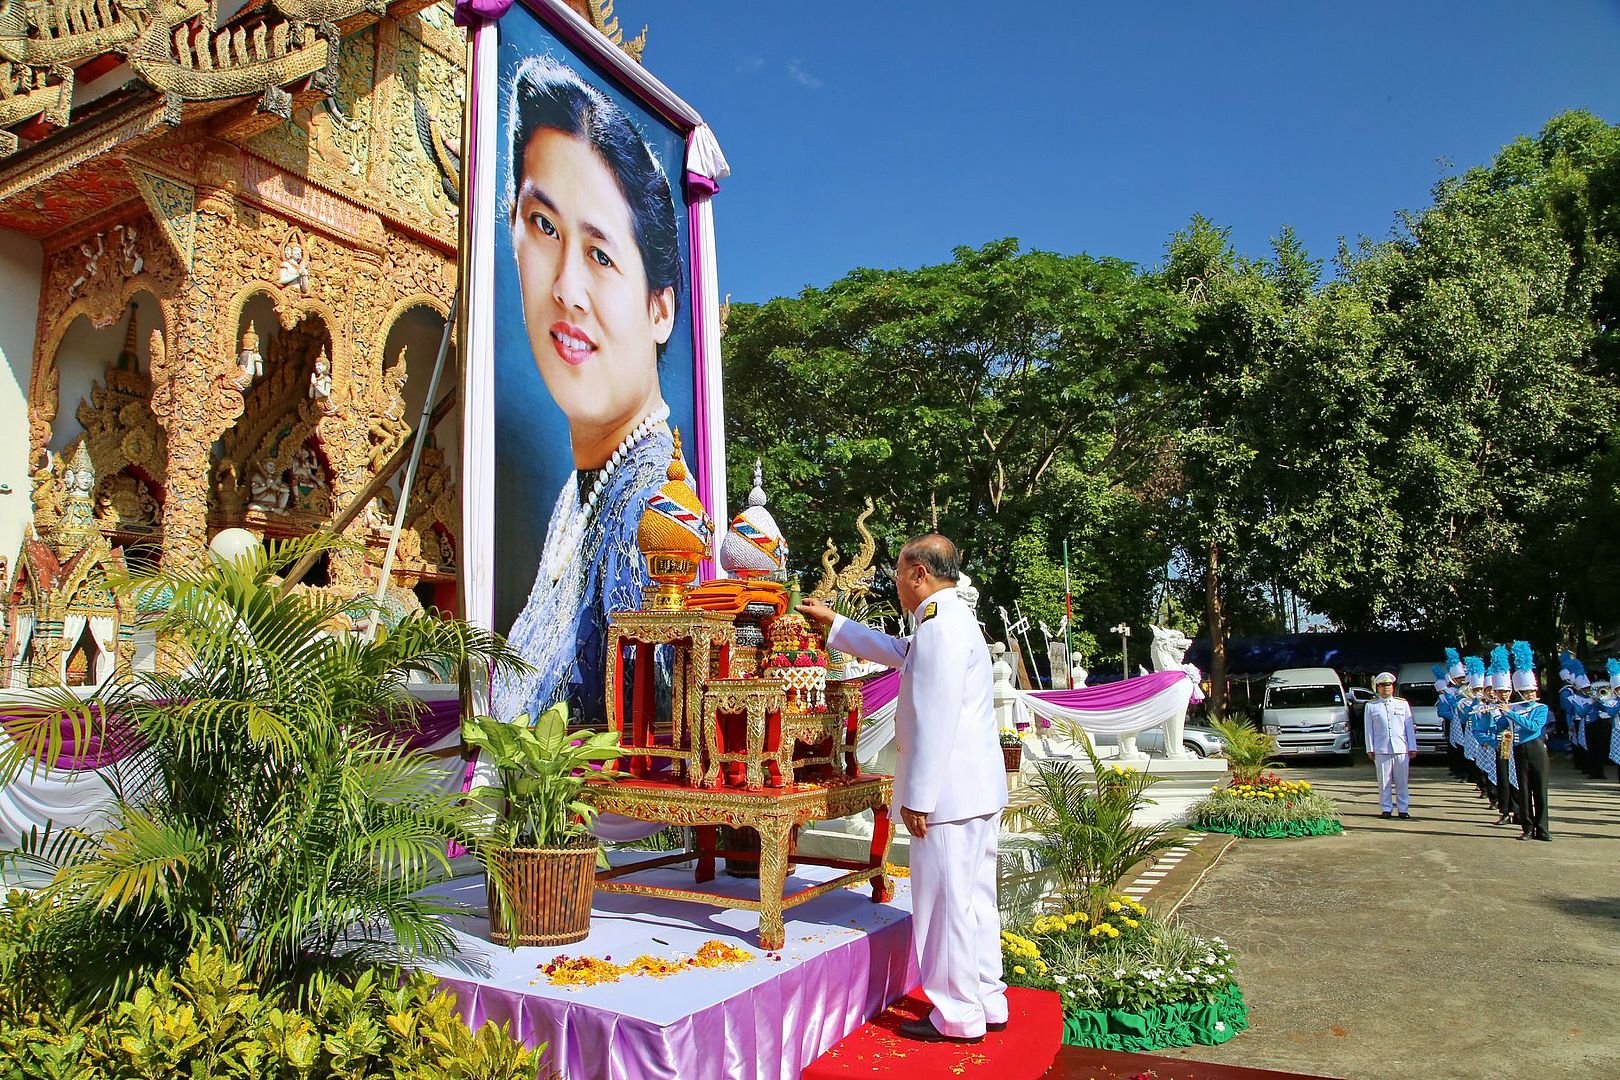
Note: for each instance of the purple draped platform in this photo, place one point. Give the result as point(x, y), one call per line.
point(845, 959)
point(108, 744)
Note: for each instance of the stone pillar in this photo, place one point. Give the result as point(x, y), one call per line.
point(194, 396)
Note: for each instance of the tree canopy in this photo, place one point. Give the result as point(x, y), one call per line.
point(1421, 439)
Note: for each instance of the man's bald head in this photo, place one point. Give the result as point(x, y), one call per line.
point(936, 554)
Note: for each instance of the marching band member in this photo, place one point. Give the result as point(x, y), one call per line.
point(1468, 711)
point(1445, 710)
point(1567, 666)
point(1490, 724)
point(1391, 744)
point(1599, 728)
point(1611, 705)
point(1529, 720)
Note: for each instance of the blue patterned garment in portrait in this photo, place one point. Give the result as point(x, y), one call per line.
point(562, 629)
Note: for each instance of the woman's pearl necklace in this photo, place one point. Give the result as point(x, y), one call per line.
point(563, 542)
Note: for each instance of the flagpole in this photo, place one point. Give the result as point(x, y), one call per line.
point(1068, 610)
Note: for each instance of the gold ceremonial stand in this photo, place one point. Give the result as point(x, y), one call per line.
point(753, 782)
point(698, 637)
point(775, 815)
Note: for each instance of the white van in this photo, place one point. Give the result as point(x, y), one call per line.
point(1415, 683)
point(1306, 712)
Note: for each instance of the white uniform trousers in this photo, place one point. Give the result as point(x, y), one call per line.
point(956, 926)
point(1392, 774)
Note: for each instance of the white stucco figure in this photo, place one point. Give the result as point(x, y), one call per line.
point(1169, 653)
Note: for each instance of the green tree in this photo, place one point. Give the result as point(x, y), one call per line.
point(1001, 395)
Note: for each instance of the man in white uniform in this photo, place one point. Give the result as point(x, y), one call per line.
point(949, 784)
point(1391, 743)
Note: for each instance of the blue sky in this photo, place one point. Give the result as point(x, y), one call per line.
point(881, 133)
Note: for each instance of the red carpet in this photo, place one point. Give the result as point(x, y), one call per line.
point(1024, 1051)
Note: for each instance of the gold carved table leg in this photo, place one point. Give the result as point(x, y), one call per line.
point(773, 851)
point(756, 743)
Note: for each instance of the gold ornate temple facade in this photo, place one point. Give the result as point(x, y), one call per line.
point(243, 225)
point(250, 231)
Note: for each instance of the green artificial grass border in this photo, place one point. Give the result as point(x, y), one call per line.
point(1272, 830)
point(1184, 1023)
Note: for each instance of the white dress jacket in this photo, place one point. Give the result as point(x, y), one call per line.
point(1390, 729)
point(945, 724)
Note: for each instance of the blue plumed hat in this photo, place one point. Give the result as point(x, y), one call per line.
point(1501, 674)
point(1524, 666)
point(1566, 666)
point(1474, 668)
point(1614, 672)
point(1454, 665)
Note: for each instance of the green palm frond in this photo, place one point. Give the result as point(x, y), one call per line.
point(140, 864)
point(271, 811)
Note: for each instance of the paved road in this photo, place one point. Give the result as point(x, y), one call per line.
point(1437, 947)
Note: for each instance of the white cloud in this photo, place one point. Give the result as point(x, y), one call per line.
point(797, 73)
point(748, 65)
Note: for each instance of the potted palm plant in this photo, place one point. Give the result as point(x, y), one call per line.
point(541, 860)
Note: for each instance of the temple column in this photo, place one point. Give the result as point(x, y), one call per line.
point(194, 395)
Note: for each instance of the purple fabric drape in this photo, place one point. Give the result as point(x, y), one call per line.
point(1114, 695)
point(699, 186)
point(475, 13)
point(96, 751)
point(100, 749)
point(878, 690)
point(845, 960)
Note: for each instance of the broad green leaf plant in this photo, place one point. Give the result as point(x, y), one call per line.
point(543, 768)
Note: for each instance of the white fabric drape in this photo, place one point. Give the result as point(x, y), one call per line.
point(105, 630)
point(707, 300)
point(876, 732)
point(478, 380)
point(704, 156)
point(70, 799)
point(72, 627)
point(1126, 720)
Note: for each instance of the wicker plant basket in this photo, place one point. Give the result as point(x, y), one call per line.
point(1012, 757)
point(550, 891)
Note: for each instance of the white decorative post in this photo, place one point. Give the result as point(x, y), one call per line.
point(1002, 694)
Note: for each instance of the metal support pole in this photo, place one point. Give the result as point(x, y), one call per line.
point(422, 425)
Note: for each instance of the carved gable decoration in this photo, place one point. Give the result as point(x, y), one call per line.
point(173, 206)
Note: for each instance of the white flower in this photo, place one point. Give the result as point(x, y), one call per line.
point(1060, 979)
point(1119, 973)
point(1220, 1025)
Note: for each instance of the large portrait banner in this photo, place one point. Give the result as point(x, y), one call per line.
point(591, 339)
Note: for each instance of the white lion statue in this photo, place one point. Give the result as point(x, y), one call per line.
point(1169, 653)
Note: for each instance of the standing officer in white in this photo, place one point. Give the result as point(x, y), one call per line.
point(1391, 743)
point(950, 787)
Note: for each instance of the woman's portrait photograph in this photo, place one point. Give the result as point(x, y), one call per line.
point(593, 364)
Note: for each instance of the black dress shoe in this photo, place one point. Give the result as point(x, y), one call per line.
point(1524, 836)
point(1406, 817)
point(924, 1031)
point(1003, 1025)
point(1544, 836)
point(1386, 813)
